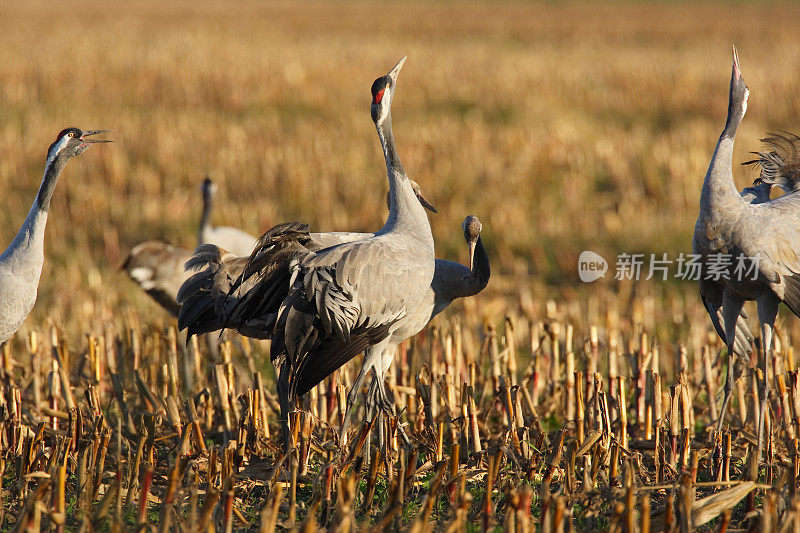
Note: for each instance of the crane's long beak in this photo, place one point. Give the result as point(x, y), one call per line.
point(471, 246)
point(396, 70)
point(89, 133)
point(737, 72)
point(426, 204)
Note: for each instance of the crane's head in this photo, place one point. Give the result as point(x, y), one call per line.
point(418, 191)
point(472, 231)
point(739, 93)
point(209, 188)
point(71, 142)
point(382, 93)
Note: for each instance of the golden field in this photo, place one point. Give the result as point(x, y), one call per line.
point(562, 126)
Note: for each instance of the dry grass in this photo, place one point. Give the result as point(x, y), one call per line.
point(563, 127)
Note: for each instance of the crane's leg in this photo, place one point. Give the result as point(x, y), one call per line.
point(381, 426)
point(731, 307)
point(286, 405)
point(767, 311)
point(372, 357)
point(384, 399)
point(372, 402)
point(371, 412)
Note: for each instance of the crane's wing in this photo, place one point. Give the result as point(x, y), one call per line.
point(242, 293)
point(711, 294)
point(769, 234)
point(343, 299)
point(203, 296)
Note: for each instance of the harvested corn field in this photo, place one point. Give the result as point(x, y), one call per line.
point(543, 401)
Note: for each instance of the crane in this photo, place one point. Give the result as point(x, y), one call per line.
point(764, 237)
point(21, 263)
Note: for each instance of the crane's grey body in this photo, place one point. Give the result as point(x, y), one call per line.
point(20, 270)
point(767, 231)
point(233, 240)
point(21, 263)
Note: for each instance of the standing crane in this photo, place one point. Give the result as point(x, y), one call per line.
point(764, 237)
point(21, 263)
point(337, 302)
point(759, 192)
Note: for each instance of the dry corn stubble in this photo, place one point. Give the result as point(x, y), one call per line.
point(575, 123)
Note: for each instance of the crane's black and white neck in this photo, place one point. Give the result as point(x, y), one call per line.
point(404, 208)
point(234, 240)
point(454, 280)
point(478, 258)
point(208, 189)
point(21, 263)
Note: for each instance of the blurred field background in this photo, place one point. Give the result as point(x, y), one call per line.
point(563, 127)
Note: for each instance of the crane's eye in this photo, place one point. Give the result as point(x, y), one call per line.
point(71, 134)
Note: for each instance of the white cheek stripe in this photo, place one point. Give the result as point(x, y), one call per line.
point(57, 148)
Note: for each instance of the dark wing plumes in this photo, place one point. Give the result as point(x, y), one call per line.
point(264, 281)
point(313, 347)
point(711, 294)
point(780, 162)
point(331, 354)
point(791, 294)
point(201, 297)
point(241, 293)
point(342, 300)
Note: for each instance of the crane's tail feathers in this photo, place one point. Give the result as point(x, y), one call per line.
point(206, 255)
point(267, 252)
point(791, 294)
point(241, 293)
point(264, 282)
point(196, 295)
point(196, 313)
point(780, 162)
point(743, 343)
point(330, 355)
